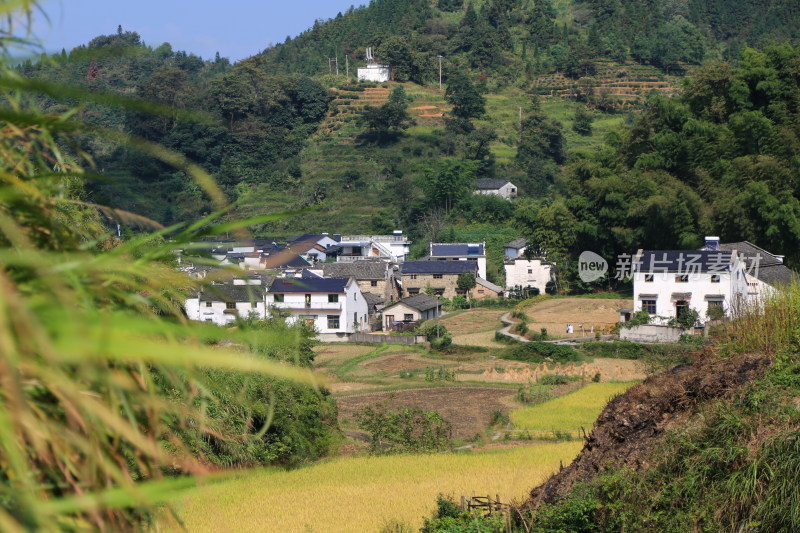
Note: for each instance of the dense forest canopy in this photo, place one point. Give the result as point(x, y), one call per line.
point(238, 123)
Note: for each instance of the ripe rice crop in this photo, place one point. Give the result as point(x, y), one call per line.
point(364, 493)
point(571, 412)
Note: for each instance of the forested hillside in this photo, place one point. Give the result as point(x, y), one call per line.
point(623, 124)
point(239, 124)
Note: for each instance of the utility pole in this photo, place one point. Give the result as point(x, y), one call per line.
point(337, 65)
point(347, 65)
point(440, 71)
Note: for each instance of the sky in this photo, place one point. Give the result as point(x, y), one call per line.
point(235, 28)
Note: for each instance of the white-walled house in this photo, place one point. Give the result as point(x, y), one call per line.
point(503, 188)
point(411, 309)
point(332, 306)
point(461, 251)
point(524, 274)
point(395, 247)
point(223, 303)
point(665, 282)
point(764, 272)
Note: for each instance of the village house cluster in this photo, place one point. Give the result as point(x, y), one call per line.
point(344, 284)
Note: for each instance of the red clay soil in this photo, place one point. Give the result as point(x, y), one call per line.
point(631, 423)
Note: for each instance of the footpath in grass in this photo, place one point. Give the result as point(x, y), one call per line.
point(571, 412)
point(365, 493)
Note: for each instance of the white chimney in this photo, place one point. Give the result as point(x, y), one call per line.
point(711, 244)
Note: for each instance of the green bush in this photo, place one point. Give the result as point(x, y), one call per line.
point(429, 330)
point(409, 430)
point(556, 379)
point(441, 343)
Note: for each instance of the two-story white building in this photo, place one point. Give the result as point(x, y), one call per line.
point(332, 306)
point(666, 283)
point(395, 247)
point(223, 303)
point(523, 274)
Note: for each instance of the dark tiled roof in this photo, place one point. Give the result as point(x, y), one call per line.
point(775, 275)
point(456, 249)
point(420, 302)
point(232, 293)
point(284, 260)
point(687, 261)
point(749, 252)
point(489, 285)
point(517, 244)
point(371, 270)
point(329, 285)
point(374, 300)
point(490, 184)
point(438, 267)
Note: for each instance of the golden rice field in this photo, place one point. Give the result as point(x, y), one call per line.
point(364, 493)
point(571, 412)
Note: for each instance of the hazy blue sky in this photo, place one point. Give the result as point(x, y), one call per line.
point(235, 28)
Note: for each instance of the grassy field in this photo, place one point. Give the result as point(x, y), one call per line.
point(364, 493)
point(569, 412)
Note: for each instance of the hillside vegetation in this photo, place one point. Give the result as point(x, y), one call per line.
point(620, 130)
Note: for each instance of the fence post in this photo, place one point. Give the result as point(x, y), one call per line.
point(463, 504)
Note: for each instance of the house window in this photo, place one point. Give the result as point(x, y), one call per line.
point(413, 276)
point(278, 298)
point(373, 283)
point(333, 321)
point(308, 299)
point(333, 298)
point(649, 306)
point(480, 291)
point(530, 271)
point(682, 278)
point(648, 278)
point(714, 279)
point(230, 305)
point(408, 317)
point(412, 292)
point(438, 292)
point(714, 303)
point(208, 304)
point(437, 276)
point(252, 305)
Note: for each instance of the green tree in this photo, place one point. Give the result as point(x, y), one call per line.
point(582, 122)
point(450, 180)
point(466, 282)
point(467, 102)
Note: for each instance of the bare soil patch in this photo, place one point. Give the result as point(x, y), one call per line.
point(481, 338)
point(631, 424)
point(468, 409)
point(554, 315)
point(397, 362)
point(474, 320)
point(331, 354)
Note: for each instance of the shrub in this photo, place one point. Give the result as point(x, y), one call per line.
point(408, 430)
point(555, 379)
point(441, 343)
point(429, 330)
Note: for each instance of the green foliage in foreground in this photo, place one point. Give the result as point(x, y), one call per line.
point(537, 352)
